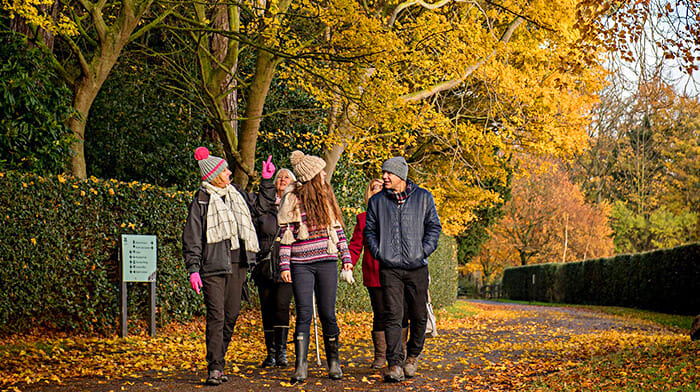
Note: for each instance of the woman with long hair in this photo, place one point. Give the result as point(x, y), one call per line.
point(312, 238)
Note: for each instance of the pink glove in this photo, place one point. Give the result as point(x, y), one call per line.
point(268, 168)
point(195, 282)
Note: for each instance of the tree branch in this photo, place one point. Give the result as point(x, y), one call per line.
point(450, 84)
point(422, 3)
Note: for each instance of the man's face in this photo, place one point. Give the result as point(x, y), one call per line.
point(222, 180)
point(393, 182)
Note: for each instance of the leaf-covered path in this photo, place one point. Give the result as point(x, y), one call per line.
point(482, 345)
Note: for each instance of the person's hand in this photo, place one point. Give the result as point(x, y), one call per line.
point(346, 275)
point(347, 266)
point(286, 276)
point(196, 282)
point(268, 168)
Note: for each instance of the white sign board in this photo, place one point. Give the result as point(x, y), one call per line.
point(139, 258)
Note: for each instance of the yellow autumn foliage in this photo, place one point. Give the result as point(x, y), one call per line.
point(455, 87)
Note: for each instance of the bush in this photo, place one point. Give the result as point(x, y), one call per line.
point(139, 131)
point(59, 252)
point(34, 108)
point(59, 255)
point(666, 281)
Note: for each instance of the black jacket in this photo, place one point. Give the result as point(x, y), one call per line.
point(402, 235)
point(215, 259)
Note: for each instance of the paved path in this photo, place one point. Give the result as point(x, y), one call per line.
point(501, 348)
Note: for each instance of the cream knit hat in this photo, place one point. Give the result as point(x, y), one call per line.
point(306, 167)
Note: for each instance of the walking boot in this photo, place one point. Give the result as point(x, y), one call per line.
point(394, 373)
point(269, 344)
point(410, 366)
point(379, 339)
point(333, 357)
point(281, 334)
point(301, 347)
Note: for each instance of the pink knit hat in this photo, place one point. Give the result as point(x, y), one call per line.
point(209, 165)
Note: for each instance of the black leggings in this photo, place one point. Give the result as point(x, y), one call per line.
point(320, 278)
point(275, 299)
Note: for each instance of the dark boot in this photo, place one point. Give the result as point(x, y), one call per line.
point(379, 340)
point(301, 347)
point(270, 345)
point(281, 334)
point(333, 357)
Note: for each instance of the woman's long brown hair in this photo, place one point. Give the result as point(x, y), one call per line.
point(316, 197)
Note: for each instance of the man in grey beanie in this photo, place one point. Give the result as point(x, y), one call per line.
point(402, 230)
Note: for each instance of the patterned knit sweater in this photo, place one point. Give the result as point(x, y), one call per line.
point(313, 248)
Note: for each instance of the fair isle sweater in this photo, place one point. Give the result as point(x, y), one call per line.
point(312, 249)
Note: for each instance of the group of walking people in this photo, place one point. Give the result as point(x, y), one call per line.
point(290, 235)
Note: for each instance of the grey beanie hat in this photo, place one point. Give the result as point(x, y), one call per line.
point(396, 165)
point(209, 165)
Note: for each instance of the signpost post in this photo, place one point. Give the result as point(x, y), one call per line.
point(139, 255)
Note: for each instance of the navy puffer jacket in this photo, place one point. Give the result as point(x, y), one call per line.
point(402, 235)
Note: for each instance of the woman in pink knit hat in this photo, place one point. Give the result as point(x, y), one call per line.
point(219, 243)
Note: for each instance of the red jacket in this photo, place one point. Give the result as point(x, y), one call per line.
point(370, 266)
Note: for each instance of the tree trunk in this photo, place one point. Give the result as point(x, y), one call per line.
point(248, 136)
point(84, 95)
point(20, 25)
point(332, 156)
point(228, 106)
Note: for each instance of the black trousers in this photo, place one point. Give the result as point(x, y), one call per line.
point(320, 278)
point(376, 299)
point(275, 299)
point(405, 291)
point(222, 298)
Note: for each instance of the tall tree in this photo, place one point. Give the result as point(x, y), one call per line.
point(90, 37)
point(456, 87)
point(548, 219)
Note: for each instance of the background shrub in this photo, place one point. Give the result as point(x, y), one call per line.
point(666, 280)
point(140, 131)
point(34, 107)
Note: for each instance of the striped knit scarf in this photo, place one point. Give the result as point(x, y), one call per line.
point(229, 219)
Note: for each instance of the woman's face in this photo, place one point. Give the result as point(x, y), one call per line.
point(222, 180)
point(283, 179)
point(376, 188)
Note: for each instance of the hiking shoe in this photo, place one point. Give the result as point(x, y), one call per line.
point(410, 367)
point(394, 374)
point(224, 378)
point(215, 377)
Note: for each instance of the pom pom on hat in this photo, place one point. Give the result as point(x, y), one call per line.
point(201, 153)
point(296, 157)
point(209, 165)
point(306, 167)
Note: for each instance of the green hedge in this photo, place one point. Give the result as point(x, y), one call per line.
point(59, 261)
point(666, 280)
point(58, 252)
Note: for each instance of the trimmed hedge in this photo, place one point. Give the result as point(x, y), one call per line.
point(58, 252)
point(666, 280)
point(59, 260)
